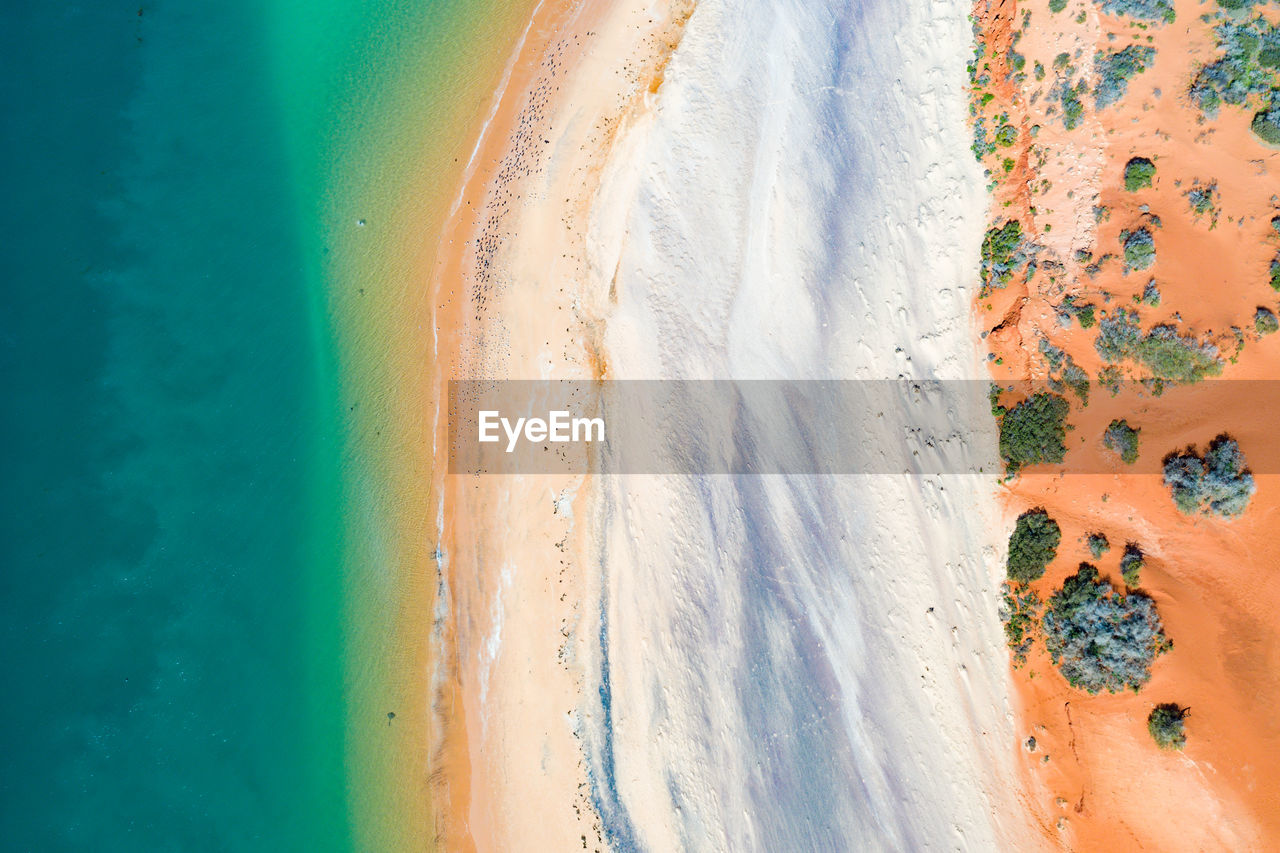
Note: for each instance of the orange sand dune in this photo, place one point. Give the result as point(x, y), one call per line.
point(1095, 780)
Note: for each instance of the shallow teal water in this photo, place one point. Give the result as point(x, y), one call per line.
point(195, 614)
point(173, 646)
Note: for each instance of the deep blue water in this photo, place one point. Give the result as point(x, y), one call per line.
point(170, 601)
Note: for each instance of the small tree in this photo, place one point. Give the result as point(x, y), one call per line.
point(1166, 726)
point(1131, 563)
point(1003, 251)
point(1266, 125)
point(1122, 439)
point(1265, 322)
point(1034, 431)
point(1139, 249)
point(1138, 174)
point(1032, 545)
point(1098, 545)
point(1101, 639)
point(1218, 483)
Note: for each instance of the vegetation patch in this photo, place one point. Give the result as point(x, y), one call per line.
point(1139, 249)
point(1004, 251)
point(1266, 124)
point(1020, 615)
point(1177, 358)
point(1122, 439)
point(1203, 199)
point(1143, 10)
point(1114, 69)
point(1131, 563)
point(1069, 99)
point(1165, 723)
point(1246, 73)
point(1032, 546)
point(1138, 174)
point(1218, 483)
point(1102, 639)
point(1098, 545)
point(1265, 322)
point(1034, 431)
point(982, 144)
point(1118, 335)
point(1064, 373)
point(1169, 356)
point(1275, 273)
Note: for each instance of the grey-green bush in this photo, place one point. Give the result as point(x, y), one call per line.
point(1101, 639)
point(1218, 483)
point(1122, 439)
point(1265, 322)
point(1131, 563)
point(1139, 249)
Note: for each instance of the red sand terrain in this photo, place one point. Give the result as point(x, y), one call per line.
point(1095, 779)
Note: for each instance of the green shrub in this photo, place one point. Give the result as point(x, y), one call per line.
point(1085, 315)
point(1122, 439)
point(1166, 727)
point(1143, 10)
point(1003, 251)
point(1032, 546)
point(1118, 336)
point(1020, 615)
point(1265, 321)
point(982, 146)
point(1006, 136)
point(1139, 249)
point(1101, 639)
point(1218, 483)
point(1266, 125)
point(1151, 294)
point(1138, 174)
point(1244, 71)
point(1034, 431)
point(1168, 355)
point(1202, 198)
point(1114, 69)
point(1131, 563)
point(1175, 357)
point(1072, 106)
point(1275, 273)
point(1056, 6)
point(1098, 545)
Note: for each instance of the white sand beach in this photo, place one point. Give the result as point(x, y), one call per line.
point(776, 191)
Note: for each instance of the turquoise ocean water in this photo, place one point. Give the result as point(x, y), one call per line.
point(175, 597)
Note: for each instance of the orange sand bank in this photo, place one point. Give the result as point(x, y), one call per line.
point(1095, 779)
